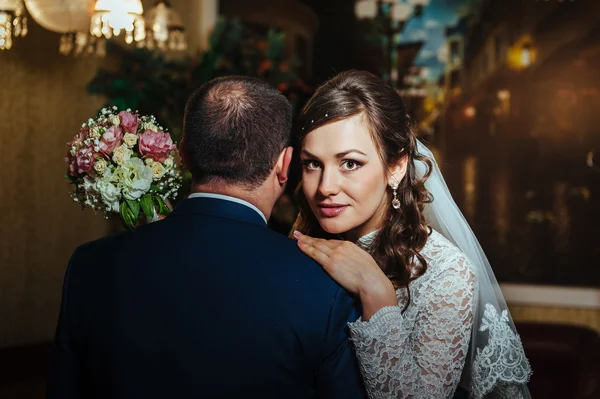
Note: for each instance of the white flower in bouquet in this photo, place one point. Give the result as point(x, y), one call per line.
point(169, 162)
point(95, 132)
point(151, 126)
point(158, 171)
point(115, 120)
point(89, 185)
point(122, 154)
point(109, 193)
point(130, 139)
point(100, 166)
point(135, 178)
point(149, 161)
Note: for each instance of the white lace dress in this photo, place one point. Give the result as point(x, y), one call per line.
point(420, 353)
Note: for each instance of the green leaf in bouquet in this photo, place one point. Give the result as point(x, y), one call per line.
point(134, 205)
point(147, 205)
point(163, 209)
point(129, 221)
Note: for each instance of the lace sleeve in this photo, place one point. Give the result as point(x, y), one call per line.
point(421, 353)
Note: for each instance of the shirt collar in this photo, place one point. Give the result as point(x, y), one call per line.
point(229, 198)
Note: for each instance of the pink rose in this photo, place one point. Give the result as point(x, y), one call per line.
point(129, 121)
point(111, 139)
point(156, 145)
point(85, 160)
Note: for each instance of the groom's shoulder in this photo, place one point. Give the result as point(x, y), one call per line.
point(95, 248)
point(284, 252)
point(279, 244)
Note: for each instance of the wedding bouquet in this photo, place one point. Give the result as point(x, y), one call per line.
point(124, 162)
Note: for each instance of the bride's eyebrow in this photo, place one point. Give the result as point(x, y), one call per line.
point(343, 154)
point(308, 154)
point(338, 155)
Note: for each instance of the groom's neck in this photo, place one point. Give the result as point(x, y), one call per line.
point(256, 196)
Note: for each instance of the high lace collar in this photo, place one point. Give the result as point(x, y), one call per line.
point(365, 241)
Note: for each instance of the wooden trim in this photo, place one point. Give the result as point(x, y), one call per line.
point(559, 296)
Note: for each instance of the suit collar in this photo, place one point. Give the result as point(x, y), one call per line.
point(221, 208)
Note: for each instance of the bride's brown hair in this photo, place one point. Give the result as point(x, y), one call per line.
point(404, 232)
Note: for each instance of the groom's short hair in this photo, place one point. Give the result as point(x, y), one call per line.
point(234, 130)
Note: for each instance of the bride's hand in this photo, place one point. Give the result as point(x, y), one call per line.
point(353, 268)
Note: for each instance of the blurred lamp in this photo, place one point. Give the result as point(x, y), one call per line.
point(112, 16)
point(13, 22)
point(366, 9)
point(526, 55)
point(503, 95)
point(401, 12)
point(164, 28)
point(470, 112)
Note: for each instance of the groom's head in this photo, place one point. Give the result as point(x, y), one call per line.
point(236, 131)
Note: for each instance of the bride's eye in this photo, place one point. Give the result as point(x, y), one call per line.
point(311, 164)
point(350, 165)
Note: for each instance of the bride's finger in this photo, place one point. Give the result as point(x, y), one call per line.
point(325, 246)
point(322, 245)
point(313, 252)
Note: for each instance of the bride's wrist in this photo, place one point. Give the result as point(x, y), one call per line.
point(376, 295)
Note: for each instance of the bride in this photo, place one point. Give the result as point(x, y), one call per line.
point(433, 317)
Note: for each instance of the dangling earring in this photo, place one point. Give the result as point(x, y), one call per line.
point(395, 201)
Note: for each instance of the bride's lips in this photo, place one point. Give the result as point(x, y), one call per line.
point(331, 209)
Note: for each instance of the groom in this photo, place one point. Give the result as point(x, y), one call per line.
point(209, 303)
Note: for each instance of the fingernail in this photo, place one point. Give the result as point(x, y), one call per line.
point(297, 234)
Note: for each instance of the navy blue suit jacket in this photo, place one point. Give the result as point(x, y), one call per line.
point(208, 303)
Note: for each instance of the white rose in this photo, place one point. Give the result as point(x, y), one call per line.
point(158, 170)
point(169, 162)
point(134, 178)
point(115, 120)
point(109, 193)
point(100, 166)
point(149, 161)
point(121, 154)
point(130, 139)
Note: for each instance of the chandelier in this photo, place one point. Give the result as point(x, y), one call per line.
point(164, 28)
point(13, 22)
point(71, 18)
point(113, 16)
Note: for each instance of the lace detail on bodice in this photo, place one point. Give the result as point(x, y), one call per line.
point(421, 353)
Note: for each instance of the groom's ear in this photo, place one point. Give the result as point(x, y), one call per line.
point(183, 153)
point(283, 165)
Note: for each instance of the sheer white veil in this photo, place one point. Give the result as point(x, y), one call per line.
point(496, 364)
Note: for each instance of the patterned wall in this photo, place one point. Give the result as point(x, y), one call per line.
point(43, 101)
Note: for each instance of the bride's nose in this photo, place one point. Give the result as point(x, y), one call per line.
point(330, 182)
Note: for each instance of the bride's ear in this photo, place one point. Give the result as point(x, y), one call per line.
point(397, 171)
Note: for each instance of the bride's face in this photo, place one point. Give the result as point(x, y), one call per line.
point(343, 178)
